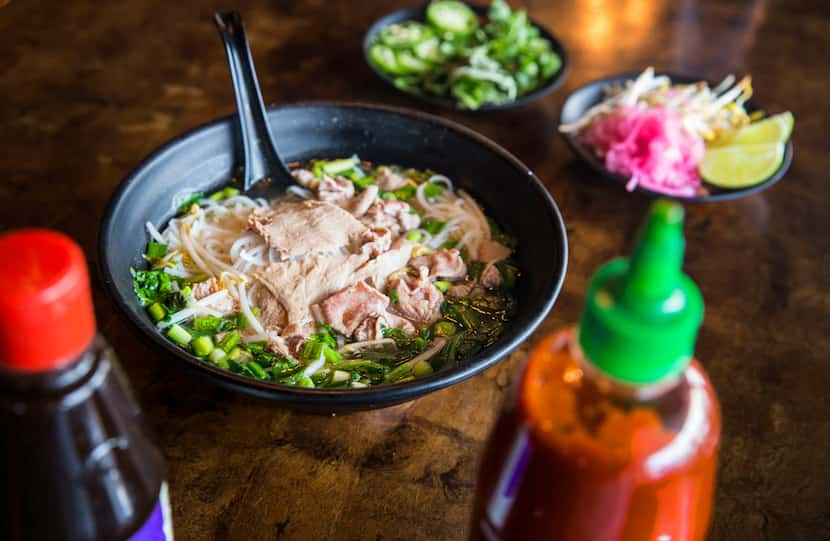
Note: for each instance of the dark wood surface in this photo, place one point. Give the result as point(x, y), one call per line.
point(89, 88)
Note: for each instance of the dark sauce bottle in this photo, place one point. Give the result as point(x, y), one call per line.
point(78, 462)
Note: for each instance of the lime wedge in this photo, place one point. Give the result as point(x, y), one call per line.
point(775, 129)
point(740, 166)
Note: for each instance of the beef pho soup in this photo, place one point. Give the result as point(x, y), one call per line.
point(359, 275)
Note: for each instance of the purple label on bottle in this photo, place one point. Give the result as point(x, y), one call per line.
point(158, 527)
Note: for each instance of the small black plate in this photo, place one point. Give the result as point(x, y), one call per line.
point(419, 14)
point(592, 93)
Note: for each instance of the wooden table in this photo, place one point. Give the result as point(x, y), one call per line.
point(90, 88)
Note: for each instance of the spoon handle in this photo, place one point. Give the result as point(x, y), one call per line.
point(261, 158)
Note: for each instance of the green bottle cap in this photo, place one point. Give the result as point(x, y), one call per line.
point(642, 315)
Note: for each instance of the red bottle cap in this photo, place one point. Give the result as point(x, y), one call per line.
point(46, 316)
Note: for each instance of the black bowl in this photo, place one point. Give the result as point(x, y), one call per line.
point(202, 160)
point(589, 95)
point(419, 14)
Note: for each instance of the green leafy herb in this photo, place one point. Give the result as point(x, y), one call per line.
point(191, 200)
point(156, 250)
point(151, 285)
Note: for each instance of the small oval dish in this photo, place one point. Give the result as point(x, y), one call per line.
point(584, 98)
point(411, 59)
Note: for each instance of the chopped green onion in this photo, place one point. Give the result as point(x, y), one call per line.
point(207, 324)
point(305, 381)
point(414, 236)
point(229, 192)
point(433, 190)
point(157, 311)
point(257, 370)
point(393, 295)
point(444, 328)
point(201, 277)
point(186, 291)
point(217, 356)
point(442, 285)
point(202, 346)
point(311, 350)
point(331, 355)
point(450, 244)
point(406, 193)
point(335, 167)
point(363, 182)
point(230, 341)
point(389, 196)
point(240, 356)
point(217, 196)
point(190, 201)
point(156, 250)
point(421, 368)
point(434, 226)
point(180, 336)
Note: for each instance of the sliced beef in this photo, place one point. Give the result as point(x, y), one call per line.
point(376, 271)
point(417, 299)
point(359, 204)
point(335, 190)
point(388, 181)
point(374, 242)
point(204, 288)
point(446, 264)
point(271, 313)
point(304, 177)
point(299, 283)
point(397, 216)
point(220, 300)
point(347, 308)
point(372, 327)
point(490, 251)
point(309, 227)
point(490, 276)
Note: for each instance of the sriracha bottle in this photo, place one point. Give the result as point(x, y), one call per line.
point(78, 462)
point(612, 431)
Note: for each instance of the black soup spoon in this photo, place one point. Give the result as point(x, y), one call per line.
point(261, 169)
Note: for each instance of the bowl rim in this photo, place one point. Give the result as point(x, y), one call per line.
point(417, 13)
point(723, 194)
point(369, 397)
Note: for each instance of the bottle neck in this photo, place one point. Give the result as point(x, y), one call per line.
point(620, 390)
point(68, 376)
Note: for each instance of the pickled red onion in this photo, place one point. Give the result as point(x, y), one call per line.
point(651, 146)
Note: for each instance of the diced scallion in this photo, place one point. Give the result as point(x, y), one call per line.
point(442, 285)
point(156, 311)
point(230, 341)
point(179, 335)
point(202, 346)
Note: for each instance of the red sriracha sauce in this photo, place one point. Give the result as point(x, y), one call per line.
point(612, 431)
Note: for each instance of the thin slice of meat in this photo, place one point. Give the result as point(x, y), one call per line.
point(214, 297)
point(271, 313)
point(359, 204)
point(465, 290)
point(377, 271)
point(388, 181)
point(304, 177)
point(490, 251)
point(374, 242)
point(372, 327)
point(490, 276)
point(397, 216)
point(309, 227)
point(443, 263)
point(202, 289)
point(418, 300)
point(299, 283)
point(347, 308)
point(335, 190)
